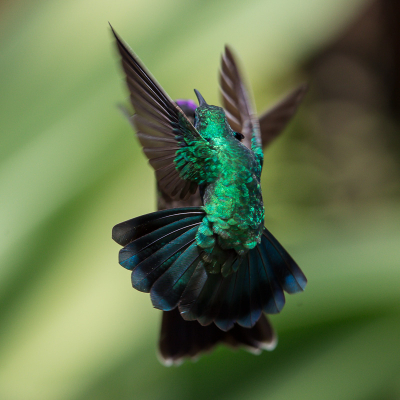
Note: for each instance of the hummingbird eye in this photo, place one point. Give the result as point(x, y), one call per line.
point(238, 136)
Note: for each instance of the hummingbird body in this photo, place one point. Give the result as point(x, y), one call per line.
point(231, 184)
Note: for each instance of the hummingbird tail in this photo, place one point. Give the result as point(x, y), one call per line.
point(180, 339)
point(165, 260)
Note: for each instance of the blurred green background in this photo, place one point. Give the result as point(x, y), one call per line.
point(71, 168)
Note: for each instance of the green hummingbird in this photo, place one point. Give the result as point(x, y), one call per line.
point(215, 264)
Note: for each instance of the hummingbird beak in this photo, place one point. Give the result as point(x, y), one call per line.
point(200, 98)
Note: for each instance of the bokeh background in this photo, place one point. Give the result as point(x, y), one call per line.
point(70, 168)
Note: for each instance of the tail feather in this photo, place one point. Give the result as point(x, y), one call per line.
point(243, 296)
point(168, 288)
point(274, 299)
point(149, 270)
point(193, 290)
point(182, 339)
point(225, 319)
point(229, 318)
point(194, 303)
point(130, 230)
point(143, 247)
point(219, 299)
point(210, 300)
point(256, 307)
point(144, 283)
point(286, 271)
point(260, 337)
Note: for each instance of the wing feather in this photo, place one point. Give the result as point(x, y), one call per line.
point(274, 120)
point(162, 127)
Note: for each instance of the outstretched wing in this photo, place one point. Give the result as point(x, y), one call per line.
point(163, 130)
point(239, 112)
point(274, 120)
point(237, 104)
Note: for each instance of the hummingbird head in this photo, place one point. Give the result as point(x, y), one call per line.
point(210, 120)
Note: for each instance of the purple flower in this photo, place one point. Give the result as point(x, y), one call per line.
point(184, 103)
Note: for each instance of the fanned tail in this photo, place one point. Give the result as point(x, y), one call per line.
point(165, 260)
point(180, 339)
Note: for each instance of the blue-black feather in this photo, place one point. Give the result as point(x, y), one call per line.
point(274, 298)
point(127, 231)
point(210, 300)
point(255, 287)
point(198, 292)
point(285, 269)
point(143, 247)
point(149, 270)
point(225, 320)
point(168, 288)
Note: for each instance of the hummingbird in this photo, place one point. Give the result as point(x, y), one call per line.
point(214, 269)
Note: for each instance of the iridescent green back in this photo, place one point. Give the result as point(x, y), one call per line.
point(233, 199)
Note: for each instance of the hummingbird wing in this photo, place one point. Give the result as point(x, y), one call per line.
point(164, 131)
point(237, 104)
point(239, 112)
point(274, 120)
